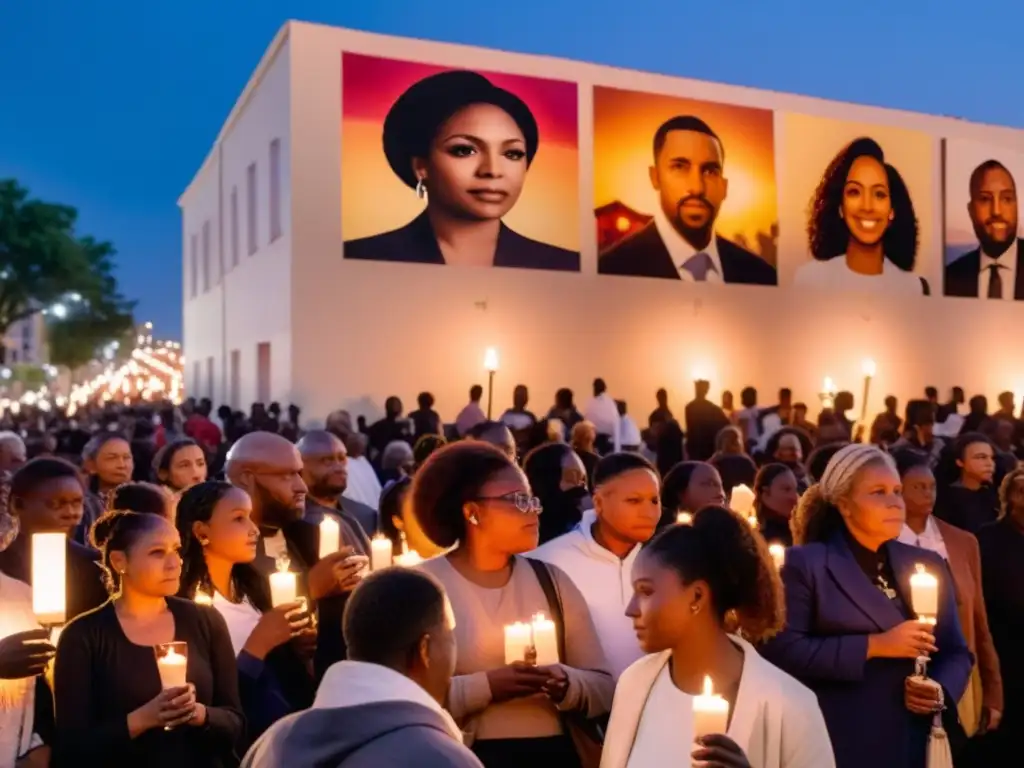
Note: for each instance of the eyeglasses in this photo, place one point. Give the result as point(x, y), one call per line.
point(524, 502)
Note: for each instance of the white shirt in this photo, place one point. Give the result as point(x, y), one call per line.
point(1007, 271)
point(665, 733)
point(606, 583)
point(629, 432)
point(834, 274)
point(681, 251)
point(241, 619)
point(363, 484)
point(603, 413)
point(931, 539)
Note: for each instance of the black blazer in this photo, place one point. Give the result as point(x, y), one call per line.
point(962, 274)
point(416, 243)
point(643, 254)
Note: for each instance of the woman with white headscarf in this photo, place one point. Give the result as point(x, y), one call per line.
point(851, 633)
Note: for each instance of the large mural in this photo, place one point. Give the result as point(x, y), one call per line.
point(448, 166)
point(466, 167)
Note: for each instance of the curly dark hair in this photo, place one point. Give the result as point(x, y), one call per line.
point(118, 531)
point(828, 234)
point(451, 477)
point(723, 550)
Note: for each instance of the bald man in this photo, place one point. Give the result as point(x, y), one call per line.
point(325, 472)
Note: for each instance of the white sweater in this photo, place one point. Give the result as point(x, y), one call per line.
point(606, 584)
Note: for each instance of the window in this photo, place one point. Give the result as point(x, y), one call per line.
point(234, 226)
point(194, 266)
point(206, 256)
point(250, 193)
point(211, 387)
point(236, 378)
point(263, 372)
point(275, 189)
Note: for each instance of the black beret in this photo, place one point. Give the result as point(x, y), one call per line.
point(415, 117)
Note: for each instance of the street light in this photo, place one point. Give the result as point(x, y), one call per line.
point(491, 366)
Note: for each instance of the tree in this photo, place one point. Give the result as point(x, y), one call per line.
point(43, 263)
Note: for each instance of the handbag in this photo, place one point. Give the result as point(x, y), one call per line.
point(587, 734)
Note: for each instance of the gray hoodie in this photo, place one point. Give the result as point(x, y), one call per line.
point(364, 716)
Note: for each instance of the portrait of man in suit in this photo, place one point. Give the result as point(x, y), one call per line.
point(689, 175)
point(993, 270)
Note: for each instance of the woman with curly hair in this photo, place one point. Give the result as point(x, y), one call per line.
point(703, 595)
point(851, 633)
point(863, 231)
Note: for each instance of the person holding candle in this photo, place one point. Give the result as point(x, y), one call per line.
point(598, 554)
point(981, 707)
point(703, 595)
point(688, 487)
point(851, 633)
point(219, 541)
point(111, 708)
point(46, 496)
point(473, 495)
point(776, 497)
point(179, 465)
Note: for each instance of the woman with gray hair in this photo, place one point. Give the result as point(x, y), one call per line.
point(852, 635)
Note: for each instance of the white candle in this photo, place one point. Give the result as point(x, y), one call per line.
point(172, 666)
point(330, 536)
point(517, 641)
point(710, 712)
point(380, 552)
point(742, 500)
point(778, 553)
point(203, 598)
point(545, 640)
point(49, 570)
point(283, 588)
point(924, 595)
point(684, 518)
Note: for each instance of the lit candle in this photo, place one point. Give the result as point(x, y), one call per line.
point(518, 642)
point(545, 640)
point(49, 569)
point(778, 553)
point(710, 712)
point(380, 552)
point(924, 595)
point(330, 536)
point(202, 597)
point(684, 518)
point(283, 588)
point(742, 500)
point(172, 666)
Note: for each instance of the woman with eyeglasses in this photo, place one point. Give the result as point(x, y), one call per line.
point(473, 495)
point(558, 477)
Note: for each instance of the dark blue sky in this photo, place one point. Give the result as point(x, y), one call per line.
point(111, 106)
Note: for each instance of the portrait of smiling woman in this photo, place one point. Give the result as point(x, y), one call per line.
point(464, 147)
point(862, 229)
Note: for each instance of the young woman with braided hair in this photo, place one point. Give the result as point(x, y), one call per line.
point(851, 633)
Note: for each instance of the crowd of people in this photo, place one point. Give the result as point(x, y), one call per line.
point(653, 593)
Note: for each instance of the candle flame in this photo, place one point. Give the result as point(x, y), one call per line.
point(684, 518)
point(282, 563)
point(869, 367)
point(920, 568)
point(708, 688)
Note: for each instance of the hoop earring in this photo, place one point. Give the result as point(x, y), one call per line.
point(421, 189)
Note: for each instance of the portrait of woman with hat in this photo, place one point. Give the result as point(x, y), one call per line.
point(464, 146)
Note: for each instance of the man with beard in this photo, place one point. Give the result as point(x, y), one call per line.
point(994, 270)
point(680, 242)
point(269, 469)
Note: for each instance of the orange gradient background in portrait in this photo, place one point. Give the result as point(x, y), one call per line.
point(374, 200)
point(807, 146)
point(624, 127)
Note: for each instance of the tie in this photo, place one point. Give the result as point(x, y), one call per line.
point(699, 265)
point(995, 282)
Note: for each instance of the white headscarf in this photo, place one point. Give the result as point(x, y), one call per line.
point(846, 463)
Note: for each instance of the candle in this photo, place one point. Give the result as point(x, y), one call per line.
point(49, 572)
point(172, 663)
point(202, 597)
point(710, 712)
point(742, 500)
point(518, 642)
point(330, 536)
point(684, 518)
point(924, 595)
point(778, 553)
point(380, 552)
point(283, 588)
point(545, 640)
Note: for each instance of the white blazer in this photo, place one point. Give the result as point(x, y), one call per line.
point(776, 721)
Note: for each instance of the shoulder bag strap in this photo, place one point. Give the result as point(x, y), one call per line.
point(547, 584)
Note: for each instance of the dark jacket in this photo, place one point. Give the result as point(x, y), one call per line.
point(961, 275)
